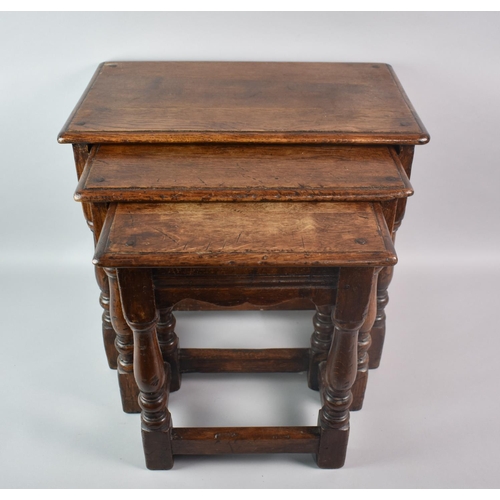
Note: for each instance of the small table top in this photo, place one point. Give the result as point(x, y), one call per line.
point(245, 234)
point(267, 102)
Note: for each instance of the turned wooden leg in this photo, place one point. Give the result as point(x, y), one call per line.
point(81, 154)
point(124, 343)
point(321, 340)
point(169, 346)
point(405, 154)
point(137, 294)
point(364, 343)
point(353, 297)
point(378, 329)
point(108, 332)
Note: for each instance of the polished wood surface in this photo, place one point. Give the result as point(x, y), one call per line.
point(321, 339)
point(169, 346)
point(222, 440)
point(328, 441)
point(405, 154)
point(244, 102)
point(242, 173)
point(220, 184)
point(124, 345)
point(81, 155)
point(140, 289)
point(244, 360)
point(236, 286)
point(364, 344)
point(245, 234)
point(153, 381)
point(340, 368)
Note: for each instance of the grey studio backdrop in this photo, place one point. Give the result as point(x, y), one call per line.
point(431, 412)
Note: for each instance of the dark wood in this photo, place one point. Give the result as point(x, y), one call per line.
point(81, 155)
point(124, 344)
point(262, 287)
point(244, 102)
point(108, 333)
point(355, 286)
point(379, 326)
point(262, 276)
point(405, 154)
point(232, 295)
point(355, 290)
point(244, 360)
point(169, 346)
point(321, 340)
point(222, 440)
point(364, 343)
point(168, 234)
point(242, 173)
point(137, 296)
point(297, 304)
point(306, 167)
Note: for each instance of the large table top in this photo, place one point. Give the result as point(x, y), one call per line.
point(269, 102)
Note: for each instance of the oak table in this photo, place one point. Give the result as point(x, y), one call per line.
point(264, 185)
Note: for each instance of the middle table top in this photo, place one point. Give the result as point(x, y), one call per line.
point(242, 173)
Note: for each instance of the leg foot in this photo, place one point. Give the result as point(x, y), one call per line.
point(157, 447)
point(332, 447)
point(129, 392)
point(358, 390)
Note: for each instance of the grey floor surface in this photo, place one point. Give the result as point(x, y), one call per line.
point(430, 418)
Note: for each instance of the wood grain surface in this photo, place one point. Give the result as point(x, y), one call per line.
point(243, 360)
point(245, 234)
point(242, 173)
point(222, 440)
point(244, 102)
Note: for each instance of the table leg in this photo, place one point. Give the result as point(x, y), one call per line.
point(108, 332)
point(125, 346)
point(169, 346)
point(378, 329)
point(364, 343)
point(321, 340)
point(353, 297)
point(138, 301)
point(405, 154)
point(81, 154)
